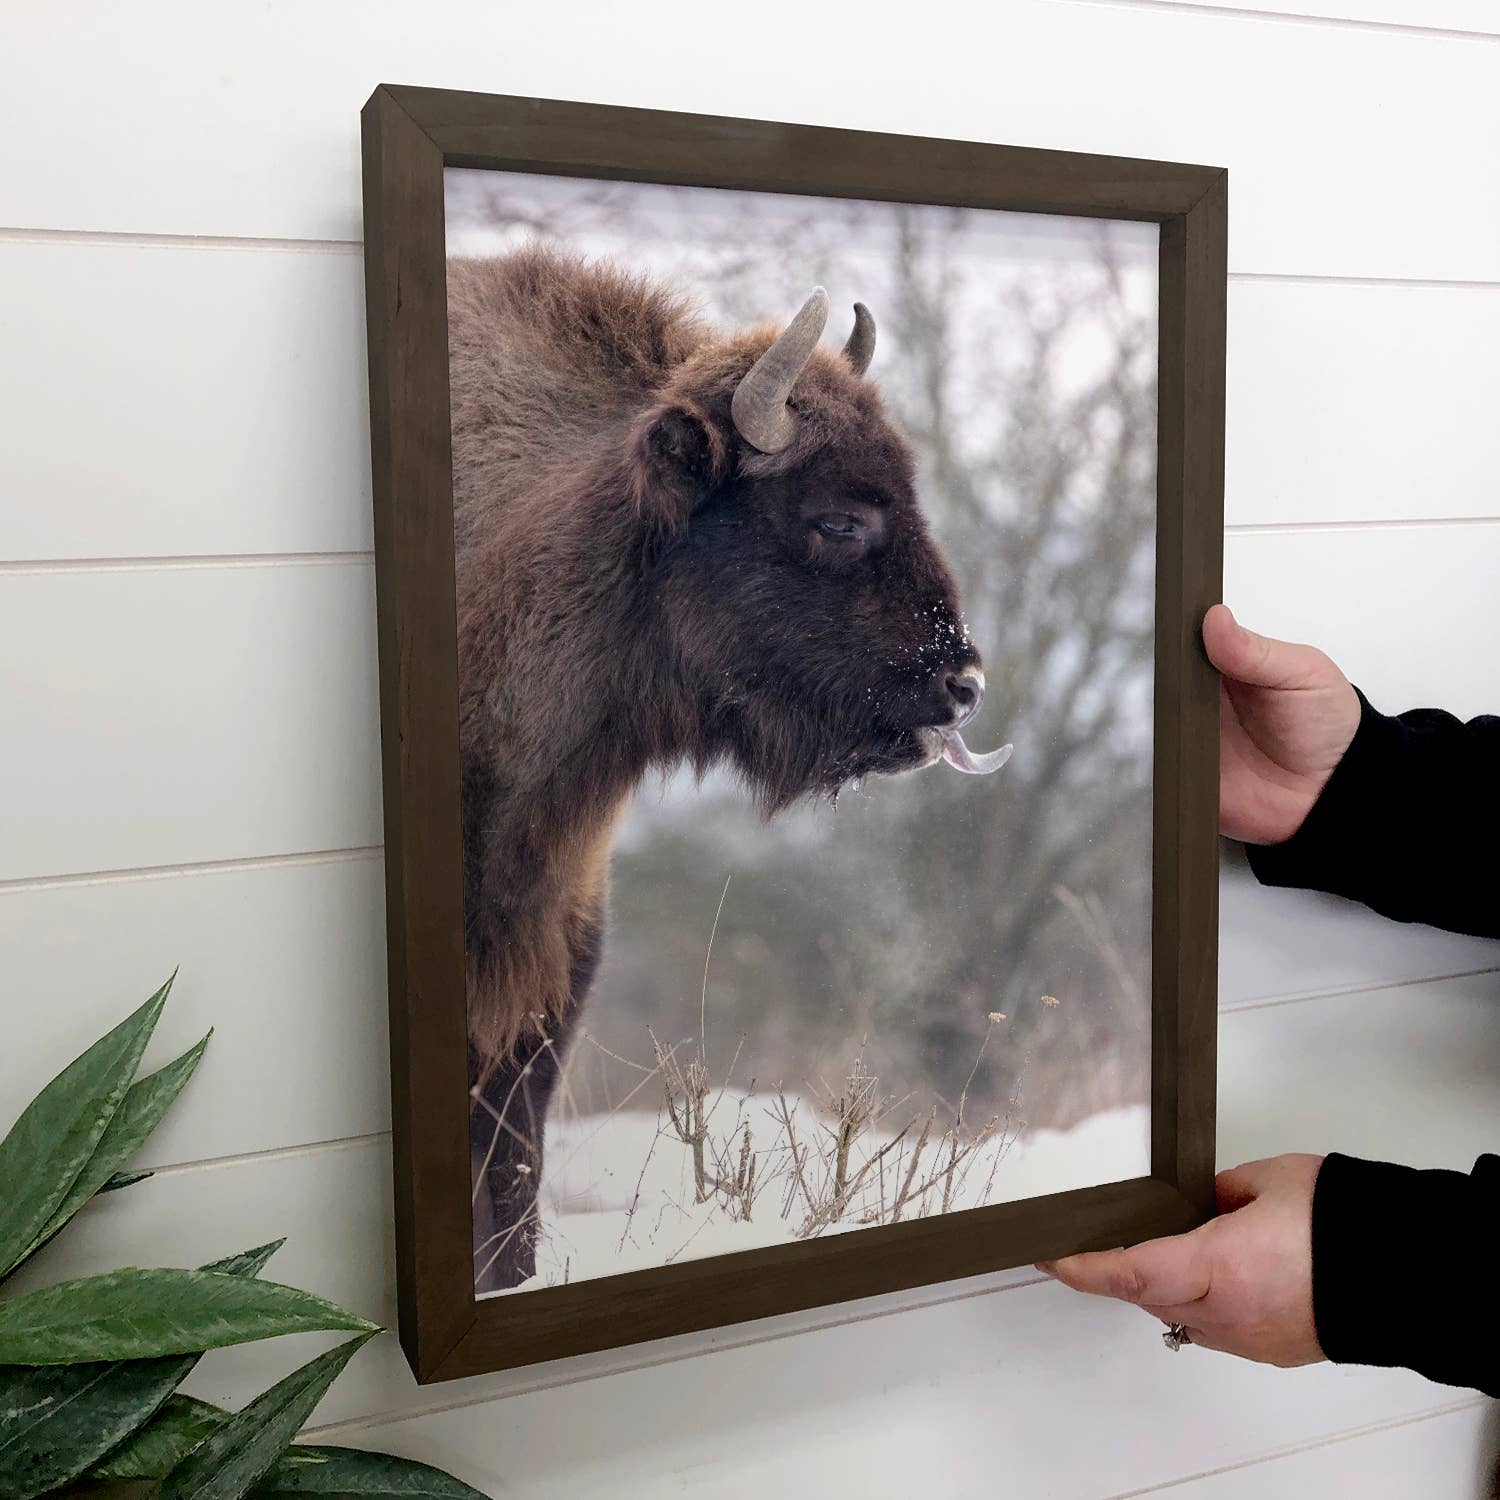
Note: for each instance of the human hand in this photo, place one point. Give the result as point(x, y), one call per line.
point(1286, 716)
point(1242, 1283)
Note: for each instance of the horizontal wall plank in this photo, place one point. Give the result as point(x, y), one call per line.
point(1277, 943)
point(1447, 15)
point(334, 1205)
point(1407, 612)
point(922, 1393)
point(211, 787)
point(1360, 403)
point(1454, 1456)
point(1404, 1073)
point(243, 122)
point(977, 1397)
point(224, 394)
point(168, 401)
point(285, 962)
point(172, 715)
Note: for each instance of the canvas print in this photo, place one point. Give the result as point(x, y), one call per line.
point(804, 552)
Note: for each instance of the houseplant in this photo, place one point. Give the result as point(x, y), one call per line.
point(90, 1368)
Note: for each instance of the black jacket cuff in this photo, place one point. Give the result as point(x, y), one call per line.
point(1335, 836)
point(1408, 824)
point(1404, 1268)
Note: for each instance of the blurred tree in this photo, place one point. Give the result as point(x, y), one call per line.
point(1021, 361)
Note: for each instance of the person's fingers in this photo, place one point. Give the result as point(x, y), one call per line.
point(1238, 1186)
point(1257, 660)
point(1159, 1272)
point(1221, 632)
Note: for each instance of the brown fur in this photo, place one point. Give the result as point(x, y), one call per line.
point(638, 586)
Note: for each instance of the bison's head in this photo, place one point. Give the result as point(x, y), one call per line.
point(810, 622)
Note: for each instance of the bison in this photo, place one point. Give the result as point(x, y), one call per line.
point(672, 544)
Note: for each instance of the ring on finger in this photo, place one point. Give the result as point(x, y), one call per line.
point(1175, 1337)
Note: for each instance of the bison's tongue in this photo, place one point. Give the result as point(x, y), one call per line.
point(961, 758)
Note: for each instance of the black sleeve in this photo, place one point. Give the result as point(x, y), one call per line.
point(1381, 1234)
point(1409, 823)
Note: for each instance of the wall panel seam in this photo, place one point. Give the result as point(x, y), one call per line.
point(1345, 1435)
point(170, 563)
point(1234, 1008)
point(21, 234)
point(23, 884)
point(385, 1417)
point(271, 1153)
point(29, 885)
point(1398, 523)
point(140, 240)
point(1291, 18)
point(1410, 283)
point(1341, 992)
point(358, 558)
point(844, 1315)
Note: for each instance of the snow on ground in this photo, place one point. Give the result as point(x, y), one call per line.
point(618, 1189)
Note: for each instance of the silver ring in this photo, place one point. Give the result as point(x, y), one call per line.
point(1175, 1337)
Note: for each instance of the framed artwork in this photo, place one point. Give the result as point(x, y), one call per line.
point(800, 761)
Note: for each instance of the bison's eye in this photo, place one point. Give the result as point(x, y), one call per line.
point(842, 528)
point(844, 538)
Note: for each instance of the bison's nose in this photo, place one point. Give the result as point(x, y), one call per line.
point(964, 692)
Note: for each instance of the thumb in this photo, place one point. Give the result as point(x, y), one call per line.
point(1237, 1186)
point(1257, 660)
point(1159, 1273)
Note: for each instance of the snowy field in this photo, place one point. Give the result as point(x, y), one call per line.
point(619, 1190)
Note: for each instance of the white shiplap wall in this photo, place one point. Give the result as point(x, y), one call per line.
point(189, 754)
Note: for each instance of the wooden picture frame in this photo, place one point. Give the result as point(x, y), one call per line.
point(410, 135)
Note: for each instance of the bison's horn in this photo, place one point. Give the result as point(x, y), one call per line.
point(759, 404)
point(860, 349)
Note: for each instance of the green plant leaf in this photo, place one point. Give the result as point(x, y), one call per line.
point(141, 1314)
point(56, 1420)
point(353, 1472)
point(246, 1262)
point(183, 1423)
point(231, 1460)
point(153, 1450)
point(124, 1179)
point(140, 1112)
point(109, 1489)
point(58, 1131)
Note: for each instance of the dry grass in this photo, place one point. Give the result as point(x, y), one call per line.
point(824, 1155)
point(832, 1155)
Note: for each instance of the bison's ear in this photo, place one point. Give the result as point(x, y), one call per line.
point(678, 457)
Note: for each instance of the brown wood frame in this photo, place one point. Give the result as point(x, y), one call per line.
point(410, 136)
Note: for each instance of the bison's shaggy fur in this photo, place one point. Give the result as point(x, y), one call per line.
point(638, 586)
